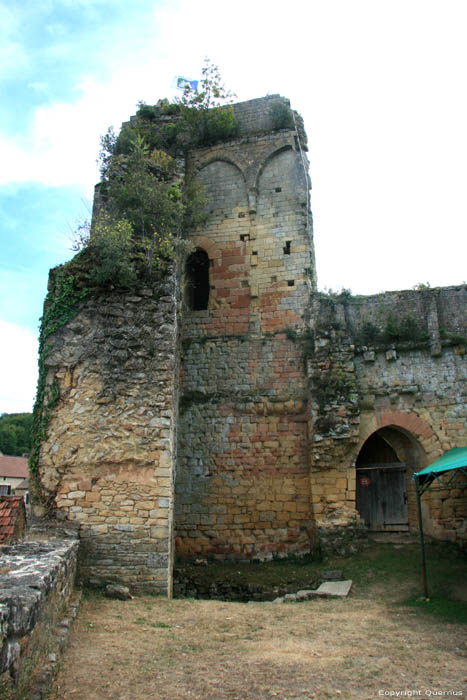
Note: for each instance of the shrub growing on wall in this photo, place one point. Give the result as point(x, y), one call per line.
point(281, 115)
point(145, 202)
point(205, 120)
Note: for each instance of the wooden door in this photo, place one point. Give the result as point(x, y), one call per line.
point(382, 496)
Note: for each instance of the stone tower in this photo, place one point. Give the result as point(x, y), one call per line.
point(242, 487)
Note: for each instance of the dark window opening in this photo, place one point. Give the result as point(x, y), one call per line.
point(278, 189)
point(197, 278)
point(287, 248)
point(244, 236)
point(290, 283)
point(5, 489)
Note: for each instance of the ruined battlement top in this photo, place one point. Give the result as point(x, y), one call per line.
point(255, 115)
point(264, 114)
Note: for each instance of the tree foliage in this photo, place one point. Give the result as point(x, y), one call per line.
point(206, 113)
point(146, 199)
point(15, 433)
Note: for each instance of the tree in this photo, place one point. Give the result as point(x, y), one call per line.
point(15, 433)
point(207, 113)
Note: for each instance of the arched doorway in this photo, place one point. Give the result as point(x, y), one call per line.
point(385, 495)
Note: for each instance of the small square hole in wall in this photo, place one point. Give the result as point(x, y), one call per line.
point(255, 252)
point(286, 248)
point(290, 283)
point(274, 278)
point(241, 215)
point(278, 189)
point(244, 236)
point(245, 283)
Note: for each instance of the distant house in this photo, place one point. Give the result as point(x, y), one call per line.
point(23, 490)
point(12, 519)
point(13, 471)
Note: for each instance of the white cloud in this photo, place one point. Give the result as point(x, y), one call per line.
point(62, 142)
point(18, 368)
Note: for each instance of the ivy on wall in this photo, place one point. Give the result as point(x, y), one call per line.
point(66, 294)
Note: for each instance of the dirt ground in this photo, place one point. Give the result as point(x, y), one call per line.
point(365, 647)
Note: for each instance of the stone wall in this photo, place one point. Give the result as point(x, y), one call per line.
point(36, 588)
point(242, 482)
point(408, 383)
point(257, 117)
point(108, 460)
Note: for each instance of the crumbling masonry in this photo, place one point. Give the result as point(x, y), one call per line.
point(242, 414)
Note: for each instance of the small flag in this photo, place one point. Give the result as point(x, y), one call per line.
point(182, 83)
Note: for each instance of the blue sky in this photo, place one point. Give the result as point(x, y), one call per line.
point(380, 84)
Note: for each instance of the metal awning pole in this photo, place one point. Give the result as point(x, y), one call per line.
point(422, 542)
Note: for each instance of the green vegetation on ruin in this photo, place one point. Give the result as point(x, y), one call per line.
point(66, 294)
point(146, 203)
point(282, 116)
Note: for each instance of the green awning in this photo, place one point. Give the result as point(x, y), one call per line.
point(453, 463)
point(452, 459)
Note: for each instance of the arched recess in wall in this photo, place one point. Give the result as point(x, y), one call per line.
point(197, 286)
point(385, 493)
point(224, 188)
point(281, 182)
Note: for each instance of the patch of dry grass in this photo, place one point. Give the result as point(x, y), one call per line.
point(208, 650)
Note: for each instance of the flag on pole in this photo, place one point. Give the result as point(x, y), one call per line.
point(182, 83)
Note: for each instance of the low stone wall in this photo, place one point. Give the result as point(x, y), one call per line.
point(36, 602)
point(341, 538)
point(196, 581)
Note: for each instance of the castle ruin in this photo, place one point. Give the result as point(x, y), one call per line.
point(232, 410)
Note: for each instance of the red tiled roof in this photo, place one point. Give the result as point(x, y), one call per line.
point(10, 510)
point(16, 467)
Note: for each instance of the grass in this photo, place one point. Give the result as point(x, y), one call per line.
point(382, 638)
point(400, 568)
point(442, 607)
point(376, 570)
